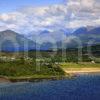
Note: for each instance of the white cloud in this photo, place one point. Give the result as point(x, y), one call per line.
point(72, 14)
point(85, 12)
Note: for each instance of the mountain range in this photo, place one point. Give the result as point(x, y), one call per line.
point(13, 41)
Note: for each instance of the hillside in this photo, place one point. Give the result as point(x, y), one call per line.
point(12, 41)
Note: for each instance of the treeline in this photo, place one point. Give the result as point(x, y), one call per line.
point(66, 55)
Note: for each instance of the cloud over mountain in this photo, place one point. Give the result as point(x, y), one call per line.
point(70, 14)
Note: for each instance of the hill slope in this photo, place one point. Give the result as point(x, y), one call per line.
point(12, 41)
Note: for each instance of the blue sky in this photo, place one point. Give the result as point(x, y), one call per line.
point(10, 5)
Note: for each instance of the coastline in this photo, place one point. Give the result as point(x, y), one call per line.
point(30, 79)
point(4, 79)
point(69, 74)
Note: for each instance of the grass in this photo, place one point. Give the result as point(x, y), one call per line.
point(27, 69)
point(80, 65)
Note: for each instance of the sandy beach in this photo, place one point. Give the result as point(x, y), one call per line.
point(81, 70)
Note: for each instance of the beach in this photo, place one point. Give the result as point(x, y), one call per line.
point(82, 70)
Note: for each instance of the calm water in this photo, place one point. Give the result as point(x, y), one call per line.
point(80, 88)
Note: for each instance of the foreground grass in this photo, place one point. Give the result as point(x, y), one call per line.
point(26, 70)
point(21, 70)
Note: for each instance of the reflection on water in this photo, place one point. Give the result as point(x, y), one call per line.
point(81, 88)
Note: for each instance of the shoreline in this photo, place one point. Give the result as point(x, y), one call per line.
point(69, 74)
point(4, 79)
point(27, 79)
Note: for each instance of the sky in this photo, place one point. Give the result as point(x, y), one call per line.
point(30, 17)
point(10, 5)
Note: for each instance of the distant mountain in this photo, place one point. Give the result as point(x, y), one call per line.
point(83, 35)
point(46, 40)
point(82, 30)
point(57, 35)
point(86, 35)
point(87, 31)
point(12, 41)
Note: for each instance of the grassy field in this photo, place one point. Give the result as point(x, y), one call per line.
point(28, 69)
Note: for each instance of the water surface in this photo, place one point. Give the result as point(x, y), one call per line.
point(84, 87)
